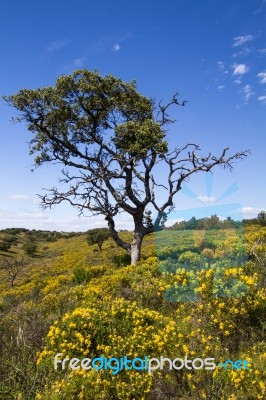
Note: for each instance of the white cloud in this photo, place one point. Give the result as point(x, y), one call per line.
point(56, 45)
point(79, 62)
point(238, 81)
point(220, 66)
point(242, 53)
point(240, 40)
point(240, 69)
point(76, 63)
point(262, 51)
point(116, 47)
point(18, 197)
point(250, 212)
point(248, 93)
point(262, 77)
point(262, 99)
point(21, 216)
point(49, 220)
point(221, 88)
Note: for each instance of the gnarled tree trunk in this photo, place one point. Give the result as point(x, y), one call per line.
point(135, 249)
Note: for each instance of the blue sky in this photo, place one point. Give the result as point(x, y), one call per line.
point(212, 52)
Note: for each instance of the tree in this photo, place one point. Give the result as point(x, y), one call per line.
point(30, 248)
point(262, 217)
point(5, 244)
point(12, 266)
point(98, 236)
point(110, 140)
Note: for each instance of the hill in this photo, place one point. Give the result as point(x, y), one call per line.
point(194, 295)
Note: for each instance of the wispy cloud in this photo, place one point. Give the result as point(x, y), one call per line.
point(240, 40)
point(56, 45)
point(76, 63)
point(17, 197)
point(248, 92)
point(79, 62)
point(243, 52)
point(262, 99)
point(116, 47)
point(19, 216)
point(221, 88)
point(238, 81)
point(240, 69)
point(221, 66)
point(262, 77)
point(262, 51)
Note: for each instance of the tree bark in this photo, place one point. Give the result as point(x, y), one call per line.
point(136, 244)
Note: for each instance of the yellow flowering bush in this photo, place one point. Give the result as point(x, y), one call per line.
point(76, 302)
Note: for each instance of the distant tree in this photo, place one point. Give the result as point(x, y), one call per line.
point(110, 140)
point(30, 248)
point(262, 218)
point(191, 224)
point(5, 244)
point(98, 236)
point(12, 266)
point(11, 238)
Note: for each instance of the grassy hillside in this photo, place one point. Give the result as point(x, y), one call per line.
point(194, 293)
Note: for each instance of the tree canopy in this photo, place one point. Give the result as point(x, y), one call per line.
point(98, 236)
point(110, 139)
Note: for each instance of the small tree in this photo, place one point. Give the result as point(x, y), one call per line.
point(30, 248)
point(11, 239)
point(5, 244)
point(98, 236)
point(12, 266)
point(262, 218)
point(111, 141)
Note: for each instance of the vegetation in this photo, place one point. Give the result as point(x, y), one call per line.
point(110, 140)
point(98, 236)
point(30, 248)
point(199, 293)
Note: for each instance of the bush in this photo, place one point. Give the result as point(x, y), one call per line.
point(4, 245)
point(80, 275)
point(30, 248)
point(121, 260)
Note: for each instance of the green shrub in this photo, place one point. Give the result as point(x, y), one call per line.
point(80, 275)
point(30, 248)
point(121, 260)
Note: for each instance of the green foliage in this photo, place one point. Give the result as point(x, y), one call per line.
point(120, 260)
point(7, 241)
point(98, 236)
point(86, 90)
point(212, 222)
point(5, 245)
point(262, 218)
point(136, 137)
point(11, 238)
point(80, 275)
point(191, 260)
point(30, 248)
